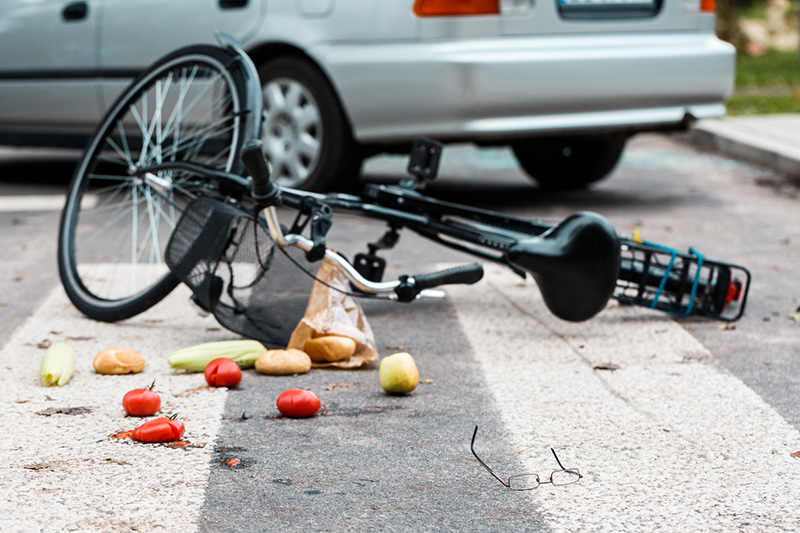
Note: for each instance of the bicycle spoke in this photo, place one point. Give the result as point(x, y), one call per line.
point(121, 152)
point(124, 139)
point(214, 107)
point(108, 159)
point(209, 133)
point(181, 111)
point(153, 220)
point(187, 110)
point(196, 143)
point(105, 207)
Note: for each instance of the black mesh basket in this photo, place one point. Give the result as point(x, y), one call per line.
point(237, 272)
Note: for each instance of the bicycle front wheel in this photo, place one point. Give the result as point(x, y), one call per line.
point(118, 217)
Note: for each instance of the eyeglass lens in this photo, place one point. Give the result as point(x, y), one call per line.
point(523, 482)
point(564, 477)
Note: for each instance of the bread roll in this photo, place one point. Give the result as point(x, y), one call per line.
point(118, 361)
point(330, 348)
point(283, 362)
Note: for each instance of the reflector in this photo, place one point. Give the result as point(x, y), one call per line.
point(708, 6)
point(442, 8)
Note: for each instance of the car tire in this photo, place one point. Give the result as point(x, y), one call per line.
point(568, 163)
point(306, 135)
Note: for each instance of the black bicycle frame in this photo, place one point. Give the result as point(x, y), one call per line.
point(647, 274)
point(433, 218)
point(578, 264)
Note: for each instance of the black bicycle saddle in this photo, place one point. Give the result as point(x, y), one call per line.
point(575, 264)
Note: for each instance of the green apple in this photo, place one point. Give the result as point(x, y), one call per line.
point(398, 373)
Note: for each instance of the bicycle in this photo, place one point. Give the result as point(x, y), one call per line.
point(174, 187)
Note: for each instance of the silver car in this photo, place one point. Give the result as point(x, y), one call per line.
point(563, 82)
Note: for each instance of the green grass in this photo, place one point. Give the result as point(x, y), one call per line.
point(757, 9)
point(766, 84)
point(773, 68)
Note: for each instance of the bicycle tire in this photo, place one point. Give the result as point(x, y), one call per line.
point(189, 106)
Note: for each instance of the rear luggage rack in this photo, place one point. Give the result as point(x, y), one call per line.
point(680, 283)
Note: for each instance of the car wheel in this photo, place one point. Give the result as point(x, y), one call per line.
point(569, 162)
point(306, 136)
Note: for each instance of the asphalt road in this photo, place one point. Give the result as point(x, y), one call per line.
point(676, 424)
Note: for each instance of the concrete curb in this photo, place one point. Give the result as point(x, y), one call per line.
point(770, 141)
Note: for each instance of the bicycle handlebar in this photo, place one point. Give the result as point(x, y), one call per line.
point(466, 274)
point(410, 287)
point(265, 192)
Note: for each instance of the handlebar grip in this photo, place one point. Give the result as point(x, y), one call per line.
point(265, 192)
point(467, 274)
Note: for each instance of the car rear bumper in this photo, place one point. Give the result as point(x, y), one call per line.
point(491, 88)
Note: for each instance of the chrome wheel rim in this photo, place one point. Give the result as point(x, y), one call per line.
point(292, 133)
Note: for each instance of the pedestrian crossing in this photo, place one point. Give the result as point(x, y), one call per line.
point(666, 439)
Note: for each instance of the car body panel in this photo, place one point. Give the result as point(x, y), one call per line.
point(516, 85)
point(525, 72)
point(528, 71)
point(136, 33)
point(45, 62)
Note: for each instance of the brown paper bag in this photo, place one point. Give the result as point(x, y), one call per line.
point(331, 312)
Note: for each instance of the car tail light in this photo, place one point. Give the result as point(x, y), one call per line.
point(708, 6)
point(444, 8)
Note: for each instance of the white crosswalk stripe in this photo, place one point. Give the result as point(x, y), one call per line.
point(63, 472)
point(40, 202)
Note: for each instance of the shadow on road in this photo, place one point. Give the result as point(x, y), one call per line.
point(32, 167)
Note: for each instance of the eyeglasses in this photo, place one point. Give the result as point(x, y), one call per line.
point(565, 476)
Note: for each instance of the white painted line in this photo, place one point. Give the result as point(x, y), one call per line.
point(63, 472)
point(40, 202)
point(669, 441)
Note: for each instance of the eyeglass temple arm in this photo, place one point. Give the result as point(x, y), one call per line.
point(562, 466)
point(472, 447)
point(557, 459)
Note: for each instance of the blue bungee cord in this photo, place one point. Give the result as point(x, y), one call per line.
point(673, 254)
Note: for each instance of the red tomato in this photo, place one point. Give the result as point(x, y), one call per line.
point(298, 403)
point(141, 402)
point(159, 430)
point(223, 372)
